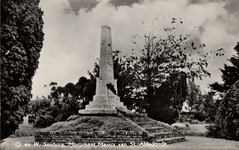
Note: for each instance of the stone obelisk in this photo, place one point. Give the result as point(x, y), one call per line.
point(105, 101)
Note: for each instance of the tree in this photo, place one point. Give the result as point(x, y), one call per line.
point(226, 120)
point(72, 97)
point(201, 106)
point(126, 82)
point(227, 116)
point(62, 102)
point(21, 43)
point(210, 106)
point(161, 57)
point(194, 97)
point(230, 73)
point(168, 98)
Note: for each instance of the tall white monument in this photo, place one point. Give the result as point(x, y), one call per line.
point(105, 101)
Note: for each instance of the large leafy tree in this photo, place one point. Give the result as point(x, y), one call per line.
point(160, 57)
point(230, 73)
point(21, 43)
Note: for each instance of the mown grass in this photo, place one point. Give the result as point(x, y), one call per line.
point(192, 129)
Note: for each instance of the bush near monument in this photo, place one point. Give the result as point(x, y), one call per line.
point(62, 102)
point(21, 43)
point(227, 119)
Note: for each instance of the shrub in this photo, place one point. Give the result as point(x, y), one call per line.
point(44, 121)
point(214, 131)
point(167, 115)
point(199, 116)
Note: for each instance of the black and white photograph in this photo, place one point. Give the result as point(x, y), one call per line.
point(119, 74)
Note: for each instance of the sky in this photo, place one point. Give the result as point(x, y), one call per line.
point(72, 29)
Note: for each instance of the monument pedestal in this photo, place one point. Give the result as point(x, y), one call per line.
point(103, 104)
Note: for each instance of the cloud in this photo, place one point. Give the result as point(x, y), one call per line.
point(86, 5)
point(129, 3)
point(217, 29)
point(231, 5)
point(72, 42)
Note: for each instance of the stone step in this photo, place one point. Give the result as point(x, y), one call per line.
point(162, 135)
point(155, 129)
point(90, 107)
point(139, 118)
point(100, 98)
point(106, 102)
point(171, 140)
point(97, 111)
point(147, 124)
point(102, 105)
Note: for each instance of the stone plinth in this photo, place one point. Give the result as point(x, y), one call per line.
point(103, 105)
point(105, 100)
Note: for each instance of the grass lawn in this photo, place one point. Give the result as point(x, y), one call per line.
point(192, 142)
point(192, 129)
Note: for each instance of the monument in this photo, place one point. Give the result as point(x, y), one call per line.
point(106, 100)
point(106, 119)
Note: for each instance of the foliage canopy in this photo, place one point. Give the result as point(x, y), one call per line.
point(21, 43)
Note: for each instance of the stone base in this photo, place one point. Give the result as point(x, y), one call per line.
point(96, 138)
point(109, 129)
point(103, 104)
point(97, 112)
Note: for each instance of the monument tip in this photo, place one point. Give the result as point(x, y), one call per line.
point(106, 26)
